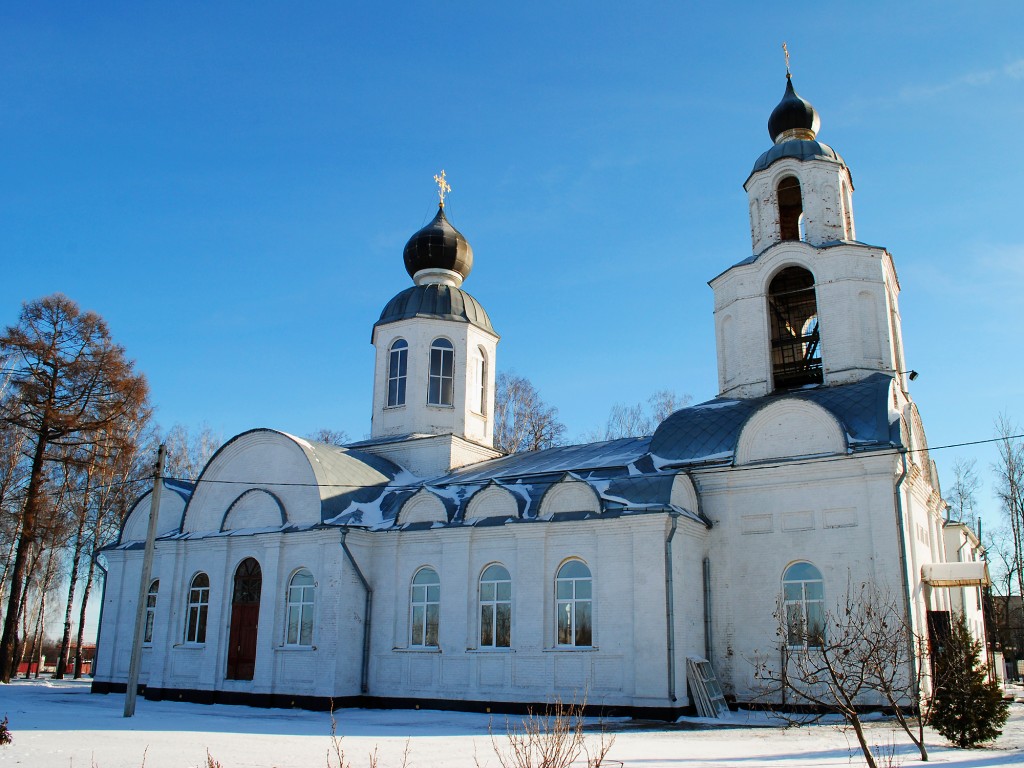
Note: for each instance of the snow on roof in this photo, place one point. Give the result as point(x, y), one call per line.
point(629, 475)
point(709, 431)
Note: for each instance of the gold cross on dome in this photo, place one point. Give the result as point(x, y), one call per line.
point(442, 186)
point(785, 51)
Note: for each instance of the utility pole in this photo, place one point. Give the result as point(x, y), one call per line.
point(147, 572)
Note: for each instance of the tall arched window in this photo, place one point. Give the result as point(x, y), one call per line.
point(441, 386)
point(574, 604)
point(425, 604)
point(154, 588)
point(301, 600)
point(793, 311)
point(495, 607)
point(398, 367)
point(803, 595)
point(198, 607)
point(480, 404)
point(791, 209)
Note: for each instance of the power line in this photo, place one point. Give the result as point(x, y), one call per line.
point(511, 478)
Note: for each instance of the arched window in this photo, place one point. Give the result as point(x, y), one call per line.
point(398, 368)
point(147, 638)
point(425, 604)
point(198, 607)
point(495, 607)
point(440, 389)
point(793, 311)
point(803, 596)
point(574, 604)
point(791, 209)
point(480, 404)
point(301, 599)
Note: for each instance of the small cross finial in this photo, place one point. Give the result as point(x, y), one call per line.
point(785, 51)
point(442, 186)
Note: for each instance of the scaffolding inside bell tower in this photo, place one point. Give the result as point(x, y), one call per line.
point(795, 347)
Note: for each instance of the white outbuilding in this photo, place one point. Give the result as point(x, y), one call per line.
point(422, 567)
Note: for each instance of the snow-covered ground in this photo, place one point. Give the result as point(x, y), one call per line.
point(61, 724)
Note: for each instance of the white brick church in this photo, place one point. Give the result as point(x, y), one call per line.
point(423, 568)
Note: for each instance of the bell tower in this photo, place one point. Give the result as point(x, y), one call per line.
point(811, 305)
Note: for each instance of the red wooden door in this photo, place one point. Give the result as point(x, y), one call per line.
point(245, 616)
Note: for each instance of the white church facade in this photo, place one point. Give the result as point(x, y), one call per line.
point(421, 567)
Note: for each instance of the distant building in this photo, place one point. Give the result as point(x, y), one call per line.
point(422, 567)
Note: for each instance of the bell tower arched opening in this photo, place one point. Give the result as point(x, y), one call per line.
point(791, 209)
point(793, 313)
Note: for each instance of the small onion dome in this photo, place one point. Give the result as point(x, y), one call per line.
point(438, 301)
point(439, 246)
point(793, 118)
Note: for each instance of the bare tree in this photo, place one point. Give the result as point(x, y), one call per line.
point(963, 493)
point(111, 500)
point(643, 418)
point(188, 451)
point(1009, 470)
point(101, 474)
point(82, 481)
point(330, 436)
point(860, 653)
point(13, 475)
point(627, 421)
point(664, 403)
point(522, 420)
point(70, 385)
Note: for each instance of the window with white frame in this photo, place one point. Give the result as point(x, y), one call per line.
point(301, 601)
point(398, 369)
point(495, 607)
point(425, 604)
point(803, 595)
point(480, 406)
point(441, 384)
point(154, 588)
point(198, 607)
point(574, 604)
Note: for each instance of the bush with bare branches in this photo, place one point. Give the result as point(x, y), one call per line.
point(553, 738)
point(863, 654)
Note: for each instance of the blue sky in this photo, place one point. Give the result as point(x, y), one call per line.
point(232, 186)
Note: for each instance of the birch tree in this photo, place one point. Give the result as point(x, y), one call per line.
point(1009, 471)
point(188, 451)
point(522, 420)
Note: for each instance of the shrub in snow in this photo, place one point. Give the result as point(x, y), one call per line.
point(5, 735)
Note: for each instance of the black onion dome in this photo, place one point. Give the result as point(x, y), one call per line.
point(435, 300)
point(438, 245)
point(792, 113)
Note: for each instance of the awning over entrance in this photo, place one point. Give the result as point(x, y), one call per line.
point(973, 574)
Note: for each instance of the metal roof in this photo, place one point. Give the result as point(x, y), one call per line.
point(710, 431)
point(799, 149)
point(607, 454)
point(443, 302)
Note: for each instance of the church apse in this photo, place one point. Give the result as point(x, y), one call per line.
point(795, 344)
